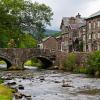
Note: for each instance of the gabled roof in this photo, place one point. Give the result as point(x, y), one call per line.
point(65, 21)
point(94, 15)
point(46, 38)
point(78, 22)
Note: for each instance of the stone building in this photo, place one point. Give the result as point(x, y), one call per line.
point(82, 38)
point(49, 43)
point(70, 28)
point(93, 32)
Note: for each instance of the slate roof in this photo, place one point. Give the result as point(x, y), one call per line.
point(95, 14)
point(78, 22)
point(46, 38)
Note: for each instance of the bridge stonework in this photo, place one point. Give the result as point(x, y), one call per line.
point(16, 57)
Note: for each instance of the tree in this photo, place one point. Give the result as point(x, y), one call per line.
point(18, 16)
point(27, 41)
point(35, 18)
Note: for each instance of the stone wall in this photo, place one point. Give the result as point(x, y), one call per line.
point(81, 59)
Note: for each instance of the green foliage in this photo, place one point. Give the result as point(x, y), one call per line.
point(56, 34)
point(27, 41)
point(80, 69)
point(6, 93)
point(33, 62)
point(1, 80)
point(18, 16)
point(70, 62)
point(81, 46)
point(94, 63)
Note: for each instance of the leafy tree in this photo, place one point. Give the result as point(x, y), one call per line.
point(27, 41)
point(17, 16)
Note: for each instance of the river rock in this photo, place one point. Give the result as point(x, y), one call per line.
point(42, 78)
point(28, 98)
point(18, 95)
point(21, 87)
point(11, 83)
point(66, 84)
point(57, 81)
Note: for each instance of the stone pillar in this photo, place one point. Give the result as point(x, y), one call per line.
point(17, 64)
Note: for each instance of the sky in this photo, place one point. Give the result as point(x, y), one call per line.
point(69, 8)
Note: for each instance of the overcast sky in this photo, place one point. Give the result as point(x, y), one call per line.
point(64, 8)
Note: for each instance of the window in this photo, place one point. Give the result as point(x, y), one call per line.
point(94, 36)
point(98, 24)
point(84, 38)
point(89, 36)
point(84, 30)
point(94, 25)
point(98, 35)
point(89, 25)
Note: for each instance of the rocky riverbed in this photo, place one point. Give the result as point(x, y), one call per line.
point(34, 84)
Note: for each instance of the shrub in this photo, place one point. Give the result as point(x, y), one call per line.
point(1, 80)
point(94, 63)
point(70, 62)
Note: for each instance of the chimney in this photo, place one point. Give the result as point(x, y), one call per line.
point(78, 16)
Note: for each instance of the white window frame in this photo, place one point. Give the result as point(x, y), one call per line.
point(94, 25)
point(89, 25)
point(89, 36)
point(98, 35)
point(98, 23)
point(94, 36)
point(84, 37)
point(84, 29)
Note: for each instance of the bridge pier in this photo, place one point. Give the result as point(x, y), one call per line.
point(15, 67)
point(16, 64)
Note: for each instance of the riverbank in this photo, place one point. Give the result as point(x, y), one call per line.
point(6, 93)
point(52, 85)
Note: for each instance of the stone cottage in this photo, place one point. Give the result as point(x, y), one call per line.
point(69, 27)
point(49, 43)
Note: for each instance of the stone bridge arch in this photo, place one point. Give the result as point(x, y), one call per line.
point(7, 61)
point(46, 62)
point(15, 57)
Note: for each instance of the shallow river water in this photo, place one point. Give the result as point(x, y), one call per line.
point(48, 84)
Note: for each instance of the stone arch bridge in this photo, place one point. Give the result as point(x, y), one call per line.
point(16, 57)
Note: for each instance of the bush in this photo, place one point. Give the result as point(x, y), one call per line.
point(80, 69)
point(70, 62)
point(1, 80)
point(94, 63)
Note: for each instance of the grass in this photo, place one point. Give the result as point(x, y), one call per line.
point(30, 63)
point(6, 93)
point(90, 92)
point(2, 62)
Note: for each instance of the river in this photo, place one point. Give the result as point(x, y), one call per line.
point(49, 84)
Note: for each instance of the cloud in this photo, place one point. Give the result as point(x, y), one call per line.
point(63, 8)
